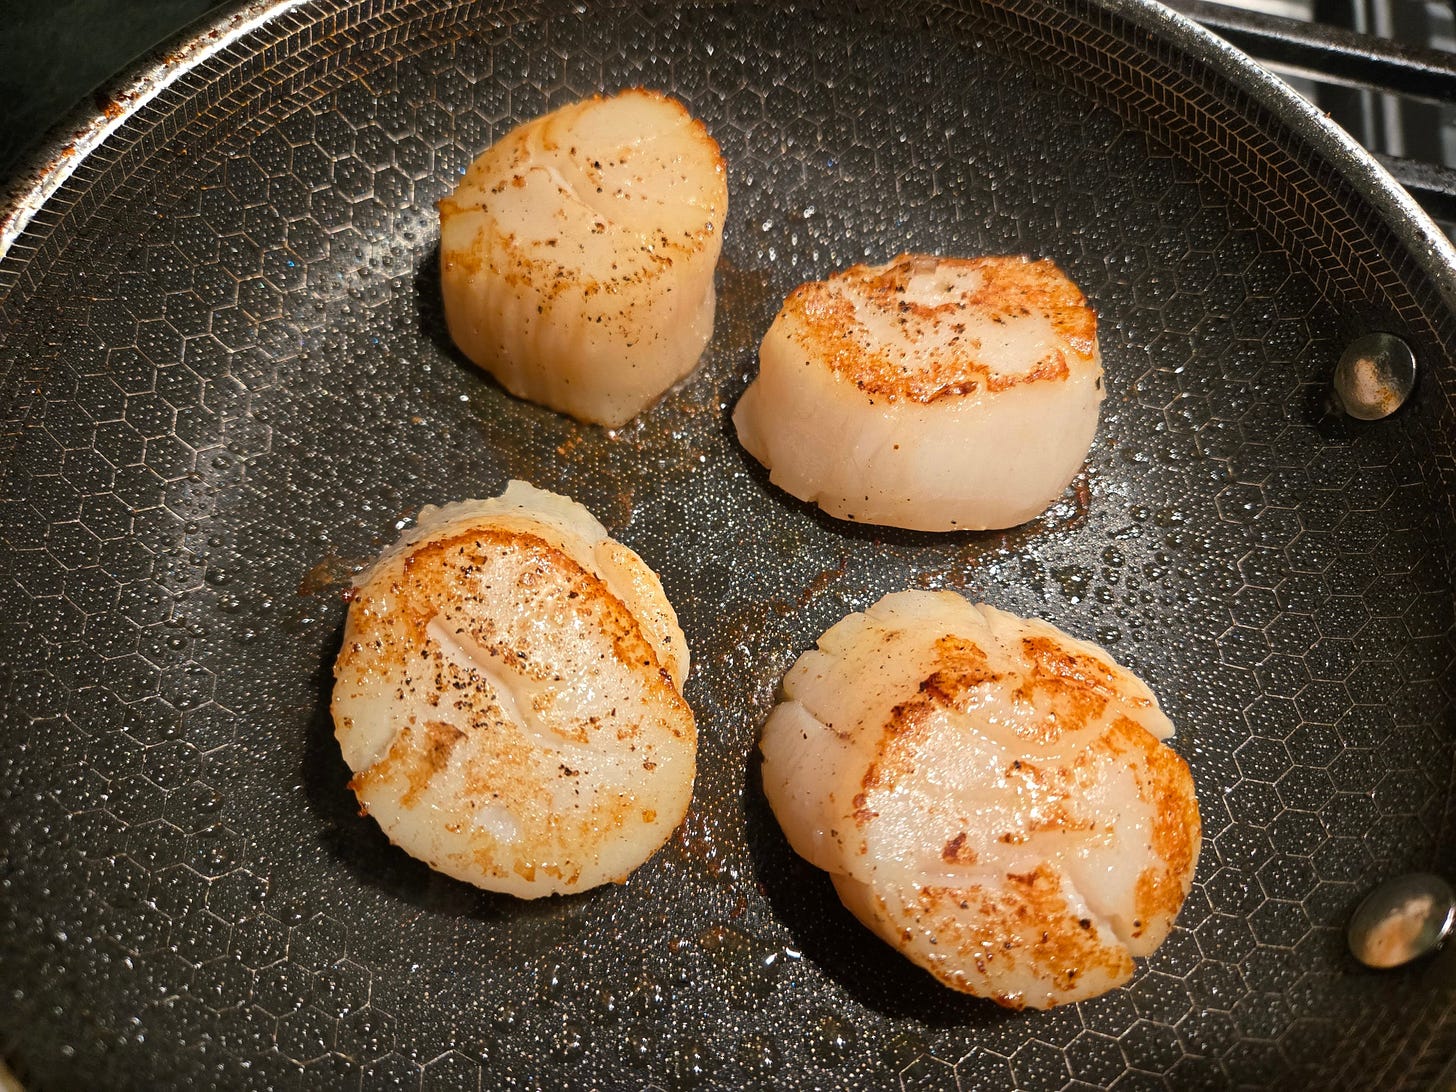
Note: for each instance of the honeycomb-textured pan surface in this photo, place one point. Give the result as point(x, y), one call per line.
point(225, 382)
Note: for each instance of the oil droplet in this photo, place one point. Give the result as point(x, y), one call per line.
point(206, 799)
point(835, 1038)
point(755, 970)
point(758, 1053)
point(906, 1048)
point(606, 1005)
point(681, 970)
point(505, 1017)
point(651, 993)
point(691, 1062)
point(553, 985)
point(1073, 580)
point(721, 940)
point(218, 578)
point(571, 1043)
point(639, 1045)
point(1122, 534)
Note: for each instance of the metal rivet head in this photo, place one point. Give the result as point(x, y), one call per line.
point(1375, 376)
point(1401, 920)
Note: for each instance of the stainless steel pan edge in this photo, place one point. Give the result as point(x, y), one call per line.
point(1431, 247)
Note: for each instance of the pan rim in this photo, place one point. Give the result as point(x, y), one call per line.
point(1356, 164)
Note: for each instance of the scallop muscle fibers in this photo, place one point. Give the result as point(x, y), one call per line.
point(509, 697)
point(990, 796)
point(577, 254)
point(929, 393)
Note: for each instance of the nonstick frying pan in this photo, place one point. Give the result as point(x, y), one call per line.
point(226, 383)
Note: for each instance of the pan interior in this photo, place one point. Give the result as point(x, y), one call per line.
point(227, 384)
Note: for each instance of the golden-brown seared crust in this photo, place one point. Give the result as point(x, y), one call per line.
point(961, 667)
point(1023, 923)
point(416, 754)
point(1177, 832)
point(471, 589)
point(1072, 687)
point(1021, 930)
point(694, 125)
point(1057, 666)
point(441, 572)
point(551, 268)
point(829, 328)
point(995, 802)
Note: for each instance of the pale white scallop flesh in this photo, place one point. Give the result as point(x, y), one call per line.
point(577, 254)
point(929, 393)
point(990, 795)
point(509, 697)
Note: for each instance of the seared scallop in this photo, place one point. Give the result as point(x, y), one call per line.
point(929, 393)
point(991, 796)
point(577, 254)
point(509, 697)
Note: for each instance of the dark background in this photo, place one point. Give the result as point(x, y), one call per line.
point(53, 53)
